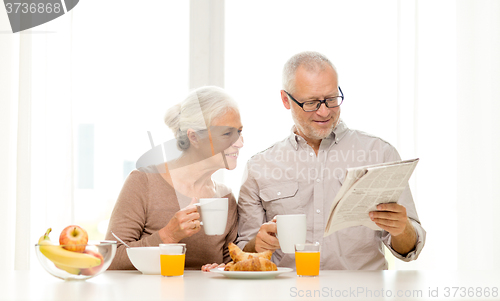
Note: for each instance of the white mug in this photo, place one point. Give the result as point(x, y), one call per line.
point(213, 215)
point(292, 230)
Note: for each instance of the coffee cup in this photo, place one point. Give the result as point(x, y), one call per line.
point(291, 230)
point(213, 215)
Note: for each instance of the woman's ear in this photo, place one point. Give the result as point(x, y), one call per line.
point(193, 137)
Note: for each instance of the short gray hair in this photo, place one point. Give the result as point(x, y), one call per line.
point(197, 112)
point(311, 60)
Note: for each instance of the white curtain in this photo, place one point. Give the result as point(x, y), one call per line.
point(478, 134)
point(427, 122)
point(9, 90)
point(36, 133)
point(449, 63)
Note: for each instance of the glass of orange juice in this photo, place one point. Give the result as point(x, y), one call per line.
point(307, 259)
point(172, 258)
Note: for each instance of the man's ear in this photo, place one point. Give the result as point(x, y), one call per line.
point(285, 100)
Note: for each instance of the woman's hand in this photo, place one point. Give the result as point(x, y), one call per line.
point(185, 223)
point(207, 267)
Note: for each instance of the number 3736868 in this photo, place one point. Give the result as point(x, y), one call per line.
point(33, 8)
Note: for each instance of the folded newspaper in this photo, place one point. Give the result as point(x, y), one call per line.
point(363, 189)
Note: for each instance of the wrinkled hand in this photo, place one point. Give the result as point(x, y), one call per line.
point(266, 237)
point(185, 223)
point(207, 267)
point(391, 217)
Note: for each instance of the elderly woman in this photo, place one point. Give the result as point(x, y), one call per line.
point(156, 204)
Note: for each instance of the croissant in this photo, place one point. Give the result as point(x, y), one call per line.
point(229, 266)
point(238, 255)
point(254, 264)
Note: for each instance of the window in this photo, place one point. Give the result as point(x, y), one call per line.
point(130, 65)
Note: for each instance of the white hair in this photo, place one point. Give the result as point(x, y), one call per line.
point(197, 112)
point(311, 60)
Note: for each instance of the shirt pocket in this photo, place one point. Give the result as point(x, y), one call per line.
point(281, 199)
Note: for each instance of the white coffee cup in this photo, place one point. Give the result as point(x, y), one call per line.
point(213, 215)
point(292, 230)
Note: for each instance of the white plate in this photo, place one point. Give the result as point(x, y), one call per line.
point(250, 275)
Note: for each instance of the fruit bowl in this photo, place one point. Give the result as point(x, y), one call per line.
point(69, 265)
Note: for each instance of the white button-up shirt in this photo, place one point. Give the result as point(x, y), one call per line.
point(287, 179)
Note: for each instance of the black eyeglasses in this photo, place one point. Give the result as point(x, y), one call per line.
point(314, 105)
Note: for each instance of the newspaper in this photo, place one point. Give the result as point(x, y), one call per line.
point(363, 189)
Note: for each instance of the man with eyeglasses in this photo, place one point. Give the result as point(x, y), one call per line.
point(304, 172)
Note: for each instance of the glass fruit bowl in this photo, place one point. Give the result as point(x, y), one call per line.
point(69, 265)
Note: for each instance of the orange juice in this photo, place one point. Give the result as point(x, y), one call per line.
point(172, 265)
point(307, 263)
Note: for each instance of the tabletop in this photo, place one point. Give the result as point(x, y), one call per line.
point(197, 285)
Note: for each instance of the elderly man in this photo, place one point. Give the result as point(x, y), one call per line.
point(304, 172)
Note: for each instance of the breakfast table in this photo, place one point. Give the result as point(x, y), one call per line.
point(196, 285)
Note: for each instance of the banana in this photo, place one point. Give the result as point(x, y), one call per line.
point(71, 270)
point(64, 258)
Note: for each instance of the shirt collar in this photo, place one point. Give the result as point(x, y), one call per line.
point(340, 130)
point(337, 134)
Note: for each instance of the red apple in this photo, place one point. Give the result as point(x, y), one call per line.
point(74, 238)
point(94, 270)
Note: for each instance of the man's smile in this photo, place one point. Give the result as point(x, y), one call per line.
point(321, 122)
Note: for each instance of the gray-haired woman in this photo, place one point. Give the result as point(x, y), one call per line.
point(207, 127)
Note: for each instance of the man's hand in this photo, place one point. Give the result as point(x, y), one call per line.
point(392, 218)
point(265, 239)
